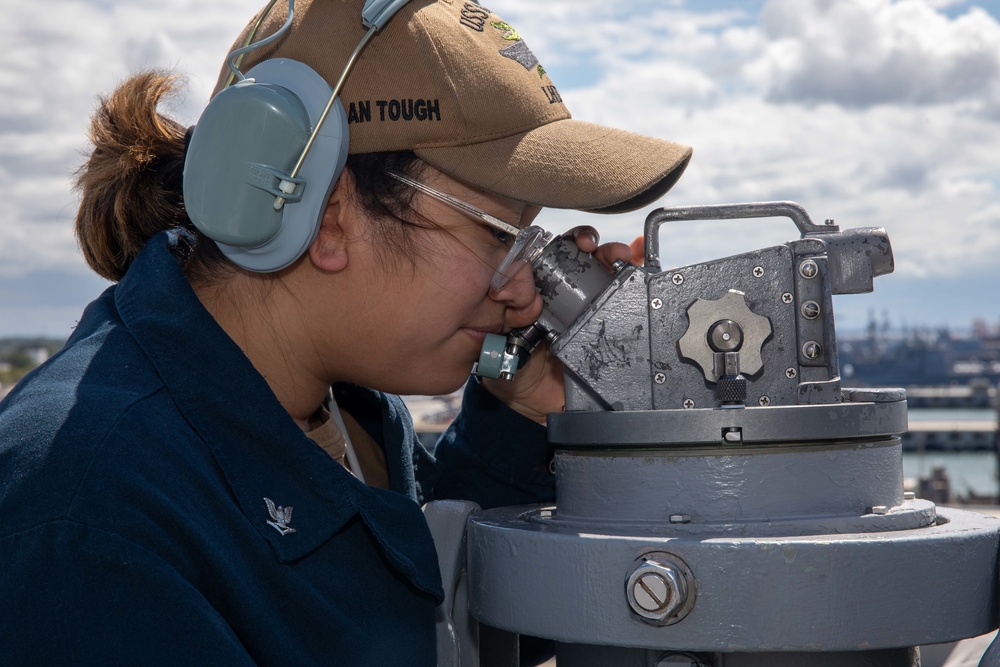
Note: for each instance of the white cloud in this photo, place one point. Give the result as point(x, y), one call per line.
point(869, 111)
point(866, 52)
point(786, 110)
point(62, 54)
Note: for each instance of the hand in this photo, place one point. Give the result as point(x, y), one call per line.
point(538, 389)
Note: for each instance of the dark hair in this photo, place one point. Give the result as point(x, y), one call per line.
point(131, 185)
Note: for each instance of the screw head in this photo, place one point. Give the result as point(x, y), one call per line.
point(810, 310)
point(688, 403)
point(758, 271)
point(677, 278)
point(656, 303)
point(659, 378)
point(786, 297)
point(764, 400)
point(725, 336)
point(812, 350)
point(790, 373)
point(808, 269)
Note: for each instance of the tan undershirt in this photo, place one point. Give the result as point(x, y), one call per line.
point(371, 458)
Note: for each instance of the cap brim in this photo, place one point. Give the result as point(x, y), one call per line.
point(568, 164)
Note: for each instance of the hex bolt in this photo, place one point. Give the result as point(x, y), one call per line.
point(812, 350)
point(656, 303)
point(656, 589)
point(829, 222)
point(677, 278)
point(880, 509)
point(764, 400)
point(758, 271)
point(680, 518)
point(909, 495)
point(810, 310)
point(680, 659)
point(786, 297)
point(618, 265)
point(688, 404)
point(790, 373)
point(659, 378)
point(808, 269)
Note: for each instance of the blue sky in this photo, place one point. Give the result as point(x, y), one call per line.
point(871, 112)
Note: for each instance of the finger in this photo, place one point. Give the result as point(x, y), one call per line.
point(609, 253)
point(585, 236)
point(638, 246)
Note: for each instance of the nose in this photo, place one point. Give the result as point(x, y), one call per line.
point(522, 300)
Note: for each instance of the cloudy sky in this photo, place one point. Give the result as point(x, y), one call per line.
point(871, 112)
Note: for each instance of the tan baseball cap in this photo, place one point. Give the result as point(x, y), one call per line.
point(457, 85)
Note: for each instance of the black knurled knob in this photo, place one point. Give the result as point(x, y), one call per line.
point(731, 389)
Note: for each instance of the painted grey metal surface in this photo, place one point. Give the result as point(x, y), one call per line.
point(801, 423)
point(457, 632)
point(833, 592)
point(746, 485)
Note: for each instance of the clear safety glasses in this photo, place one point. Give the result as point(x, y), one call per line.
point(528, 242)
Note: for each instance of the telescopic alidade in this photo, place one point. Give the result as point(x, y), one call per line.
point(721, 499)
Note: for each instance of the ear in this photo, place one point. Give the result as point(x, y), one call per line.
point(328, 251)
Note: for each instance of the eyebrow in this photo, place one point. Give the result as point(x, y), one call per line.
point(456, 203)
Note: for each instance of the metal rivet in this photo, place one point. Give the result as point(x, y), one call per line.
point(659, 378)
point(656, 303)
point(677, 278)
point(790, 373)
point(758, 271)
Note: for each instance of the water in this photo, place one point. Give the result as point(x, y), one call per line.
point(967, 471)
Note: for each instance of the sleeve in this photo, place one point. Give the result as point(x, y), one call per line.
point(79, 595)
point(492, 455)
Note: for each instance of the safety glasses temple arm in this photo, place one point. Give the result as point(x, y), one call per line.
point(457, 204)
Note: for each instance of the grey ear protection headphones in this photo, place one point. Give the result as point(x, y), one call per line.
point(267, 151)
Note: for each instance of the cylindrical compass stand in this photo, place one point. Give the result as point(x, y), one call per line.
point(794, 543)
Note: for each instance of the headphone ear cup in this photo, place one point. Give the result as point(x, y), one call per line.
point(245, 145)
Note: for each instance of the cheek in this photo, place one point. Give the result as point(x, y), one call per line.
point(465, 276)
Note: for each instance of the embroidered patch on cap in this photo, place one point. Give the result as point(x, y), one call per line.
point(518, 51)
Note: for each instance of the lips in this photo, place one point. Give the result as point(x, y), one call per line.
point(479, 333)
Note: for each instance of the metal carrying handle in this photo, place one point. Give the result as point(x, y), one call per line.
point(767, 209)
